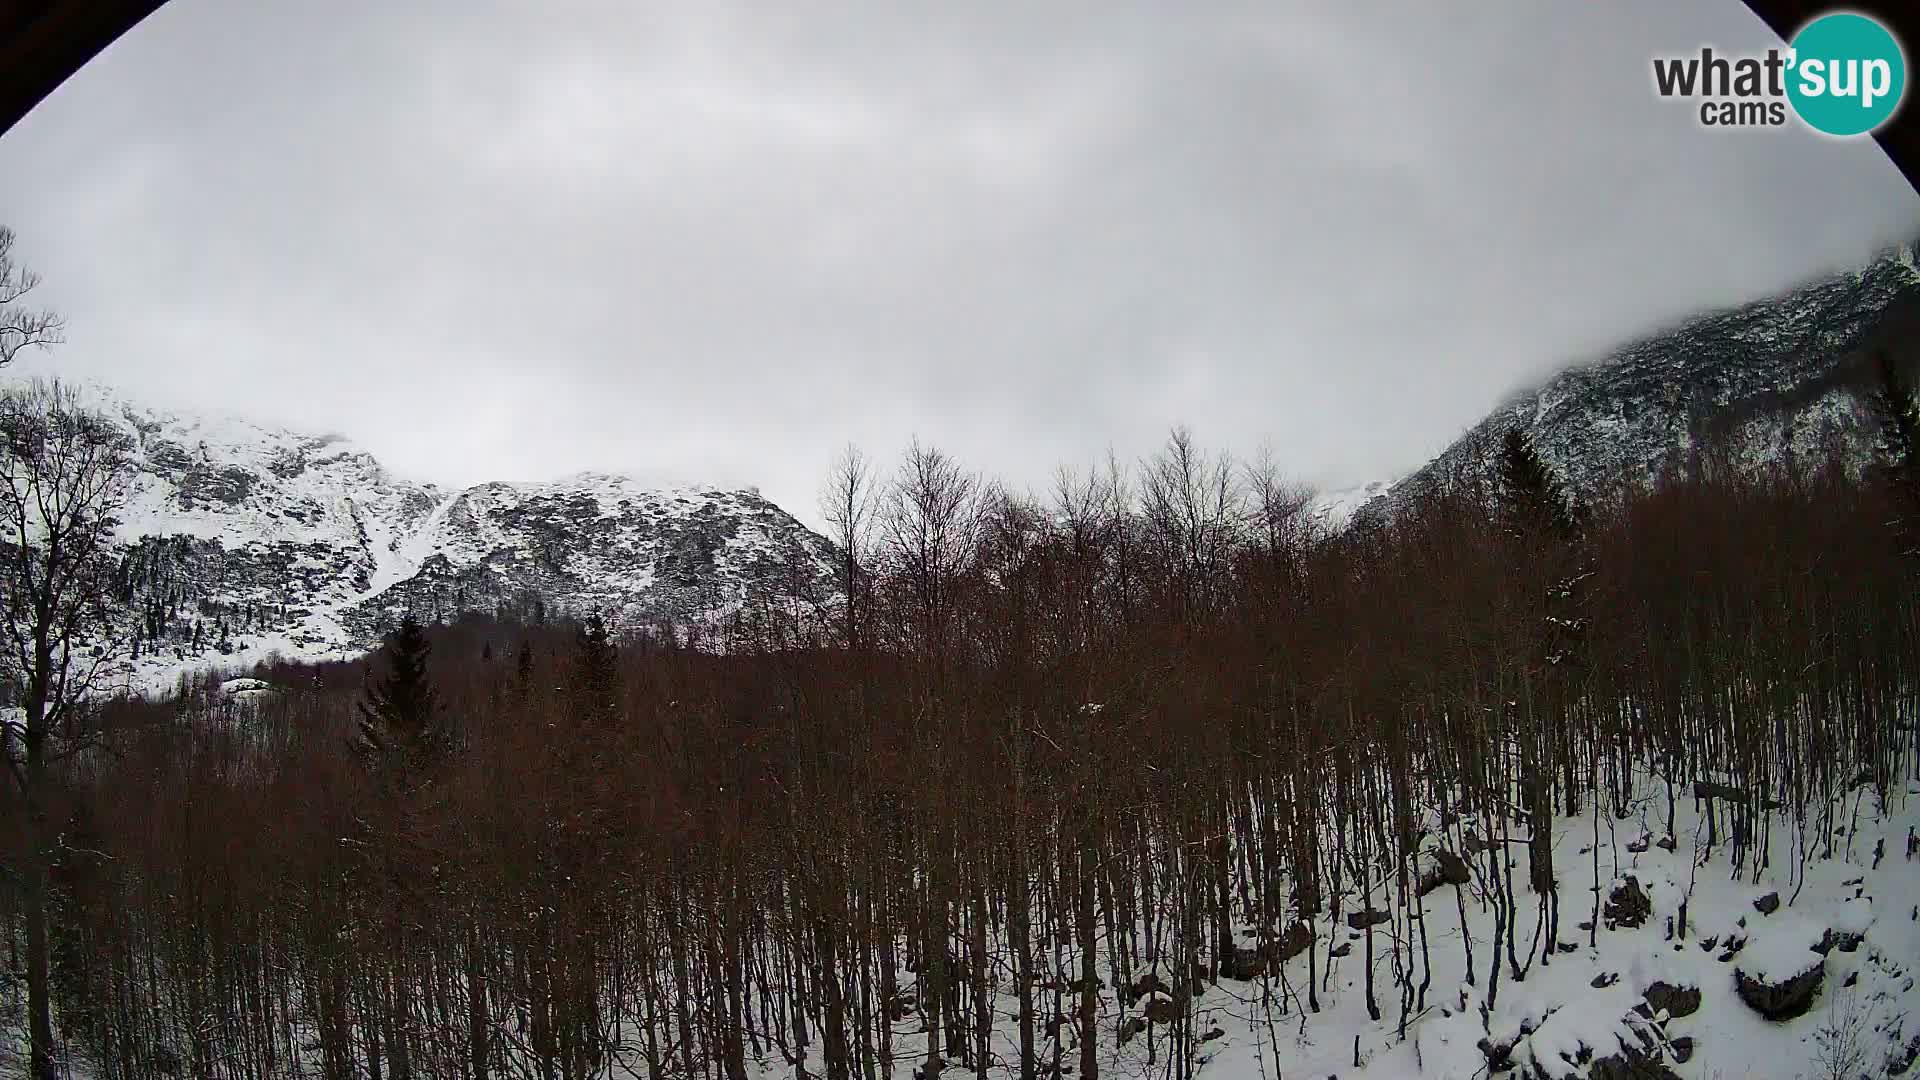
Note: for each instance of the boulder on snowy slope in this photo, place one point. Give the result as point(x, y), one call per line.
point(1246, 964)
point(1849, 927)
point(1838, 939)
point(1242, 964)
point(1366, 917)
point(1627, 905)
point(1671, 1000)
point(1665, 987)
point(1276, 947)
point(1284, 947)
point(1586, 1040)
point(1161, 1008)
point(1781, 999)
point(1631, 1065)
point(1151, 985)
point(1439, 867)
point(1780, 969)
point(1517, 1018)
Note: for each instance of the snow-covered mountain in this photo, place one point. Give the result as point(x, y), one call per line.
point(243, 539)
point(1333, 510)
point(1775, 381)
point(600, 542)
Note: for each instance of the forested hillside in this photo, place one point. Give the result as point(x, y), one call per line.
point(1146, 776)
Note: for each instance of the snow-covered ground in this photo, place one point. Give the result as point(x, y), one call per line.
point(1582, 1006)
point(1666, 988)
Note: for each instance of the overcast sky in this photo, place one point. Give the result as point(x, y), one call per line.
point(713, 242)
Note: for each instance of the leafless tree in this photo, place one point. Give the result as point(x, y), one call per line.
point(848, 502)
point(1194, 512)
point(65, 470)
point(21, 326)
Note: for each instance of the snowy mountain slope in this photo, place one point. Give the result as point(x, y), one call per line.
point(600, 542)
point(1780, 380)
point(264, 516)
point(243, 539)
point(226, 478)
point(1333, 510)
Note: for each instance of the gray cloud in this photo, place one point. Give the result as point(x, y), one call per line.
point(712, 242)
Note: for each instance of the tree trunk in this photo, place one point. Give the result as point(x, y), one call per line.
point(39, 985)
point(477, 1020)
point(1089, 984)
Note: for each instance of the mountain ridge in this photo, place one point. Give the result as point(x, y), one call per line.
point(1770, 382)
point(240, 540)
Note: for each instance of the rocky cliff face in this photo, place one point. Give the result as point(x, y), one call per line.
point(241, 540)
point(598, 542)
point(1779, 381)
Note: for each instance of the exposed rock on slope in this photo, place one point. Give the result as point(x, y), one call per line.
point(598, 542)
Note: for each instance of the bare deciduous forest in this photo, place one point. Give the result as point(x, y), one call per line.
point(1121, 741)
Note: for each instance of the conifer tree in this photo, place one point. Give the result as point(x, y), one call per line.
point(596, 679)
point(398, 715)
point(1532, 497)
point(1900, 450)
point(1549, 525)
point(523, 666)
point(1544, 523)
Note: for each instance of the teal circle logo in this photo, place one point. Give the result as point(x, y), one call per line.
point(1847, 74)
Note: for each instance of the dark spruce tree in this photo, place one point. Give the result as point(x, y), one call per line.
point(596, 677)
point(1545, 527)
point(1899, 464)
point(523, 667)
point(1533, 499)
point(397, 718)
point(1549, 528)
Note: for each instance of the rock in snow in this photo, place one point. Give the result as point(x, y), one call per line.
point(1780, 970)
